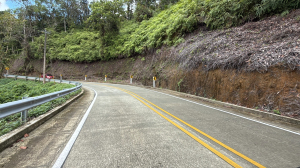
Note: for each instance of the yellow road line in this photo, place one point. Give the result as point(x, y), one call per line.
point(232, 163)
point(208, 136)
point(201, 132)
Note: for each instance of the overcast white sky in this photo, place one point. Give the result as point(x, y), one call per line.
point(3, 5)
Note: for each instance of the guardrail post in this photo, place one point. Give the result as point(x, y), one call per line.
point(16, 77)
point(35, 79)
point(69, 82)
point(24, 113)
point(48, 79)
point(26, 78)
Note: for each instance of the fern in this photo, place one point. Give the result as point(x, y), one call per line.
point(275, 6)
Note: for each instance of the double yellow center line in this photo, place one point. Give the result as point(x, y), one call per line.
point(190, 134)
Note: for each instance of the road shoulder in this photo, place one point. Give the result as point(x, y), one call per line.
point(46, 141)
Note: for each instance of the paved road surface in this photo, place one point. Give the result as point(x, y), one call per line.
point(121, 131)
point(124, 130)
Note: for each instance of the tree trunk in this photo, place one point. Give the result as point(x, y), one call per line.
point(65, 24)
point(128, 11)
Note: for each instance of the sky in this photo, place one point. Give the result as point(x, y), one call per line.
point(3, 5)
point(9, 4)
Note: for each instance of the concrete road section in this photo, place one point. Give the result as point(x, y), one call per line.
point(123, 132)
point(120, 131)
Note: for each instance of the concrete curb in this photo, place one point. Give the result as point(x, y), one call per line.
point(11, 137)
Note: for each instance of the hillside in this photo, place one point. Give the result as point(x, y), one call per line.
point(106, 39)
point(242, 52)
point(255, 65)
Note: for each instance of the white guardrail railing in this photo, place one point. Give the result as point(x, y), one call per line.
point(24, 105)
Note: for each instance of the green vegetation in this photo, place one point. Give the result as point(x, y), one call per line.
point(276, 111)
point(110, 31)
point(12, 90)
point(22, 88)
point(178, 84)
point(76, 46)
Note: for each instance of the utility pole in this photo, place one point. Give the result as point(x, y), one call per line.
point(44, 68)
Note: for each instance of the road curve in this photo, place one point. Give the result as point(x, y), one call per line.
point(135, 127)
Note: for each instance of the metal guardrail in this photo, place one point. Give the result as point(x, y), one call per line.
point(14, 107)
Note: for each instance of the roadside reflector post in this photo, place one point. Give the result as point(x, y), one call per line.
point(131, 79)
point(85, 77)
point(105, 77)
point(24, 113)
point(60, 78)
point(154, 79)
point(6, 70)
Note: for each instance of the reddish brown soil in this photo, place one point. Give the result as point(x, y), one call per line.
point(278, 89)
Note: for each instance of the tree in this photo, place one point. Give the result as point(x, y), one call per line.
point(129, 9)
point(106, 17)
point(10, 28)
point(163, 4)
point(144, 9)
point(84, 7)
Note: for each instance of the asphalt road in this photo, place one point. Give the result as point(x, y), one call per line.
point(130, 126)
point(124, 130)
